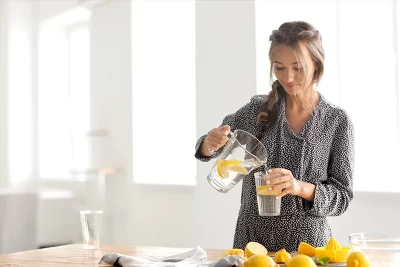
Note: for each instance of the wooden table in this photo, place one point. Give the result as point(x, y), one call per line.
point(75, 255)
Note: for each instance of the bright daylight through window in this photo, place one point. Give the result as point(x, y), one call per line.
point(63, 94)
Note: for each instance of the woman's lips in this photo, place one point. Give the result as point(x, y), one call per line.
point(290, 85)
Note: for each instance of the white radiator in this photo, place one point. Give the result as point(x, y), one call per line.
point(18, 221)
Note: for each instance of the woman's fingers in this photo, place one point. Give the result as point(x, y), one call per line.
point(279, 171)
point(282, 186)
point(217, 137)
point(282, 179)
point(285, 192)
point(278, 179)
point(215, 143)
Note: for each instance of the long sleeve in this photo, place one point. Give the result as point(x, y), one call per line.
point(333, 196)
point(238, 120)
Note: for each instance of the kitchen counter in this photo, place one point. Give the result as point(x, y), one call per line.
point(75, 255)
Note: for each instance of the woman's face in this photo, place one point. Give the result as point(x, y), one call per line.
point(289, 71)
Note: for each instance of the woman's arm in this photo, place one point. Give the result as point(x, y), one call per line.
point(332, 197)
point(307, 191)
point(246, 114)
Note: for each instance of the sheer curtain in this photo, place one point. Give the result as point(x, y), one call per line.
point(361, 74)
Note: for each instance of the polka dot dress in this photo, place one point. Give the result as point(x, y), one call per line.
point(322, 153)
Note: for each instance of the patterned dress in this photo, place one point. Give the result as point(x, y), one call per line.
point(322, 153)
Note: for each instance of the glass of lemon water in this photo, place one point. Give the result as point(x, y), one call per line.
point(268, 203)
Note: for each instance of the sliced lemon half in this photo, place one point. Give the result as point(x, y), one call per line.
point(224, 166)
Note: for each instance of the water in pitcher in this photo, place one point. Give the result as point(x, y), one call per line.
point(241, 155)
point(228, 172)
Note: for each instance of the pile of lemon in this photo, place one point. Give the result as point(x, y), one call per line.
point(256, 255)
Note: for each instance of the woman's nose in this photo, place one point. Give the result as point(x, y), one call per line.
point(289, 77)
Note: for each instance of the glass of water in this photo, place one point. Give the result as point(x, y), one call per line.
point(268, 203)
point(91, 222)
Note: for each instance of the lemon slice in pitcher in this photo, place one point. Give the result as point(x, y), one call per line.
point(224, 166)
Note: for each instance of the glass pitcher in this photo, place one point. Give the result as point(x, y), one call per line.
point(241, 154)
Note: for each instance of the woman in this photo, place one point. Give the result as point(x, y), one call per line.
point(310, 142)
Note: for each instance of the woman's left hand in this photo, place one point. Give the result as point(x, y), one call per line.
point(285, 182)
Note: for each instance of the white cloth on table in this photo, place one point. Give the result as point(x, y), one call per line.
point(196, 257)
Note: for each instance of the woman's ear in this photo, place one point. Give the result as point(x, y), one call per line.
point(315, 78)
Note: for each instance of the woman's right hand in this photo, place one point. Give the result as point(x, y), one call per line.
point(216, 139)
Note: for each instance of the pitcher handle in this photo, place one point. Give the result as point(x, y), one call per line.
point(228, 134)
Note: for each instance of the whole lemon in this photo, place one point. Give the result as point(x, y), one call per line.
point(260, 260)
point(300, 260)
point(357, 259)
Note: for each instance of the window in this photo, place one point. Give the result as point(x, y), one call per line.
point(368, 72)
point(19, 93)
point(64, 94)
point(163, 92)
point(361, 74)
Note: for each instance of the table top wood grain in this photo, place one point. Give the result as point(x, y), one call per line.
point(76, 255)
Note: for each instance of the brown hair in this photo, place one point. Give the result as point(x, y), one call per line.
point(290, 34)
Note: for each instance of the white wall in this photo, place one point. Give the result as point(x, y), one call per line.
point(3, 92)
point(48, 8)
point(225, 71)
point(368, 212)
point(169, 215)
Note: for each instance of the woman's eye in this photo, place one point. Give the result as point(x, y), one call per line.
point(298, 69)
point(278, 68)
